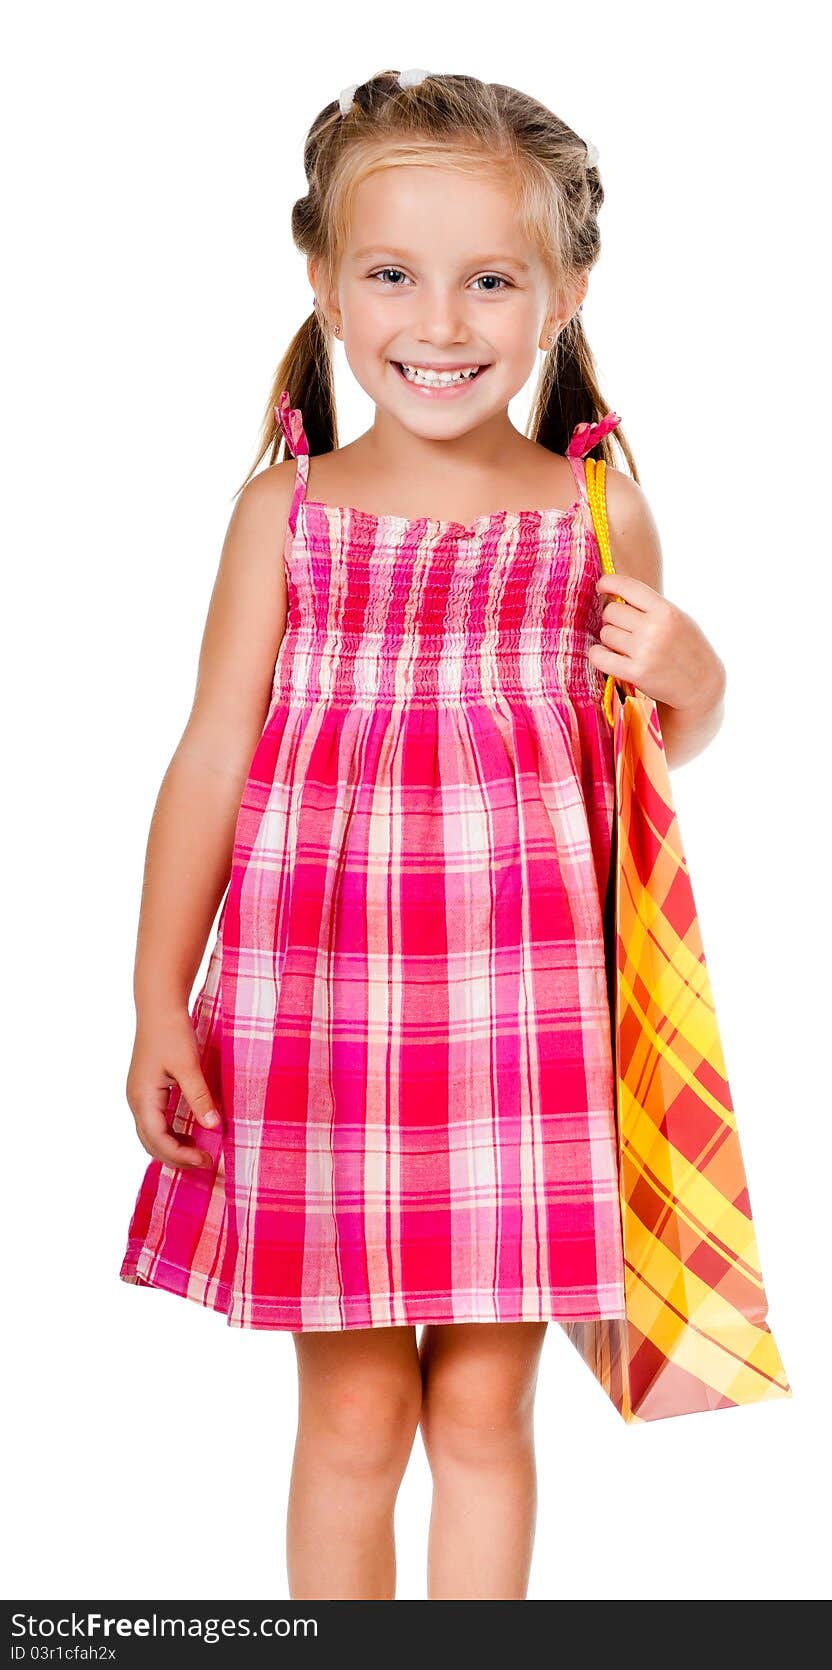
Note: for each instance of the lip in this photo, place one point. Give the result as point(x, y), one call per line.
point(451, 391)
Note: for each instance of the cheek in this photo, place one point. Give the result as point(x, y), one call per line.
point(513, 332)
point(368, 320)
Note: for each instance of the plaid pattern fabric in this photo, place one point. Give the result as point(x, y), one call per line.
point(405, 1018)
point(695, 1335)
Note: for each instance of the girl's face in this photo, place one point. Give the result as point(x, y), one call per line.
point(436, 275)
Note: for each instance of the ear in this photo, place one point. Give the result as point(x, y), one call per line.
point(327, 303)
point(576, 295)
point(563, 303)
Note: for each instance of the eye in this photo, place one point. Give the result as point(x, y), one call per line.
point(383, 270)
point(493, 279)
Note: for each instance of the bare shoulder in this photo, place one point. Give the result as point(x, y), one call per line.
point(251, 581)
point(256, 534)
point(251, 562)
point(265, 500)
point(245, 625)
point(634, 536)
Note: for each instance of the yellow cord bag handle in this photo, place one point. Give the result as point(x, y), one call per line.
point(595, 470)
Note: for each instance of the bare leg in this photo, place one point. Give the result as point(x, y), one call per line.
point(359, 1398)
point(479, 1382)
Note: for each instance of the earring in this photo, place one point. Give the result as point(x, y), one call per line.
point(321, 316)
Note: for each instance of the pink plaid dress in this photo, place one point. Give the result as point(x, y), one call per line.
point(405, 1018)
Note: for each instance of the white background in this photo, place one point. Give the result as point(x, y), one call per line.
point(153, 156)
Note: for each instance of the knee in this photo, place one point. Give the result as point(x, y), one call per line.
point(365, 1425)
point(475, 1419)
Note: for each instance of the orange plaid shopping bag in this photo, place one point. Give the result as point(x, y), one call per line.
point(695, 1335)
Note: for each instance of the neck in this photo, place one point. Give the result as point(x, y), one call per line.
point(395, 449)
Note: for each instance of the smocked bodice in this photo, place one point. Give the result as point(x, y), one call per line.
point(383, 607)
point(388, 608)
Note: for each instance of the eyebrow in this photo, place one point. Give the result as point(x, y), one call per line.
point(403, 255)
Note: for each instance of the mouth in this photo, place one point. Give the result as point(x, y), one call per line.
point(433, 380)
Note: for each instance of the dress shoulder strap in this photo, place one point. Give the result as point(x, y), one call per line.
point(584, 437)
point(291, 421)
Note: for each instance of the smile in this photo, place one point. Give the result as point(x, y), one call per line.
point(438, 382)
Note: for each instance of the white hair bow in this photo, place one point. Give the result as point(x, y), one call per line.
point(591, 154)
point(405, 78)
point(345, 97)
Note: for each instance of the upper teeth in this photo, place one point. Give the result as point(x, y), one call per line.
point(417, 375)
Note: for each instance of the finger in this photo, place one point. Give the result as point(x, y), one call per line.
point(156, 1136)
point(178, 1150)
point(636, 592)
point(172, 1148)
point(617, 637)
point(197, 1095)
point(620, 614)
point(608, 661)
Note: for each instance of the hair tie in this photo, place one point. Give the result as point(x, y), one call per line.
point(345, 97)
point(411, 78)
point(405, 78)
point(591, 154)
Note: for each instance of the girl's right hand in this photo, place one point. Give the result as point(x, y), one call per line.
point(165, 1051)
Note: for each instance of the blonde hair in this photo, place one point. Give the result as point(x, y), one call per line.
point(452, 121)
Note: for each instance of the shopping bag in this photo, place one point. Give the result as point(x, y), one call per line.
point(695, 1335)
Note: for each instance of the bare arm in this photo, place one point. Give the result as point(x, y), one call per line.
point(189, 847)
point(672, 659)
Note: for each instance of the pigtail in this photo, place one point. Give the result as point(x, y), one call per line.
point(568, 393)
point(306, 371)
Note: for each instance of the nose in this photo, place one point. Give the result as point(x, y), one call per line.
point(442, 319)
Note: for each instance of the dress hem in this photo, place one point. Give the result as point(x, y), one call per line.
point(400, 1311)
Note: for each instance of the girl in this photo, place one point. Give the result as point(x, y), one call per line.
point(393, 1102)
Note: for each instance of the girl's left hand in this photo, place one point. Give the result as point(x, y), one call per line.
point(649, 642)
